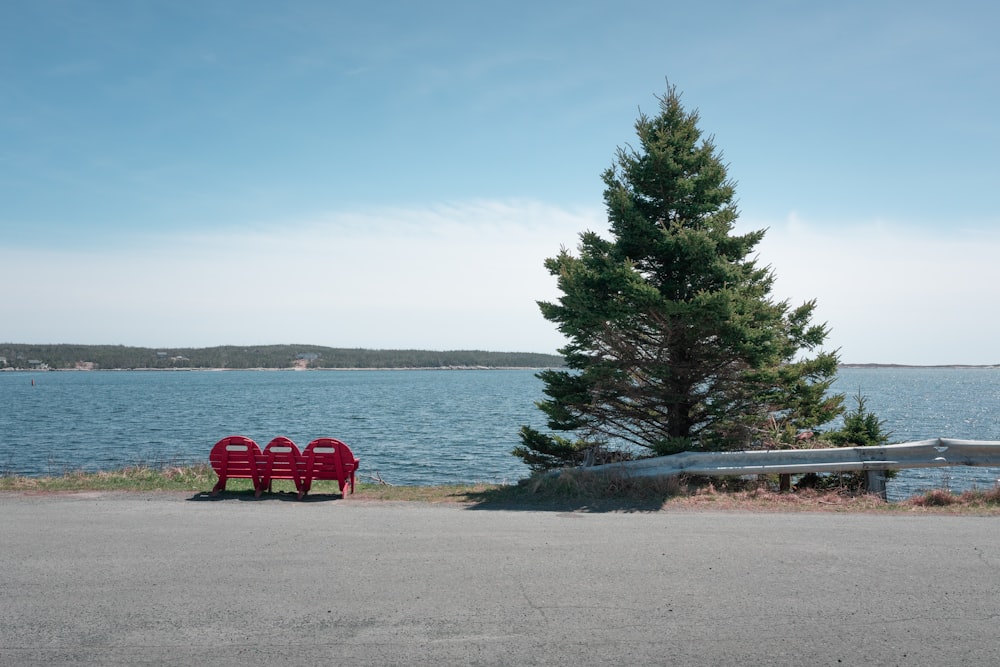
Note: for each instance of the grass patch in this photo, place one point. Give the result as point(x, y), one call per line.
point(579, 491)
point(193, 478)
point(969, 500)
point(131, 478)
point(570, 490)
point(201, 478)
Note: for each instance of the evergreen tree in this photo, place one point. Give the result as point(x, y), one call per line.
point(862, 427)
point(674, 340)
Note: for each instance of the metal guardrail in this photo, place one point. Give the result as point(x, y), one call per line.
point(935, 453)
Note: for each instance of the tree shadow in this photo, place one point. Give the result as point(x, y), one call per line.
point(520, 498)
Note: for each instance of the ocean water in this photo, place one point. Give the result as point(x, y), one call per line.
point(923, 403)
point(409, 427)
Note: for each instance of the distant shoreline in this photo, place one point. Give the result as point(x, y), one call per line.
point(919, 366)
point(193, 369)
point(291, 369)
point(63, 356)
point(259, 357)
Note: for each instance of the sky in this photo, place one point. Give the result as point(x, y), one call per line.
point(394, 174)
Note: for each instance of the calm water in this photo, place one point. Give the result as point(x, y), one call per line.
point(412, 427)
point(923, 403)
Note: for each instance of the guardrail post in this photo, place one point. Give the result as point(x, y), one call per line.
point(875, 483)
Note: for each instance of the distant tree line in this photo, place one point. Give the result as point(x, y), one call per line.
point(61, 357)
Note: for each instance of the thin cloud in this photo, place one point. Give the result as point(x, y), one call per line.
point(469, 274)
point(443, 277)
point(892, 293)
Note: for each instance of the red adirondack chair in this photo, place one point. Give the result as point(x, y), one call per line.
point(328, 459)
point(235, 457)
point(280, 461)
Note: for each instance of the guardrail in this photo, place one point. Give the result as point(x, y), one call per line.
point(934, 453)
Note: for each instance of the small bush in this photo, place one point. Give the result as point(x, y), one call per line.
point(977, 497)
point(992, 496)
point(936, 498)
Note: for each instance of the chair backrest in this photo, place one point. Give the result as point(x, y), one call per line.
point(235, 456)
point(281, 459)
point(329, 458)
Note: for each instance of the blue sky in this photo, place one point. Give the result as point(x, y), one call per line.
point(393, 174)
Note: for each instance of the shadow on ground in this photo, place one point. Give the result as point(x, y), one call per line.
point(248, 495)
point(520, 498)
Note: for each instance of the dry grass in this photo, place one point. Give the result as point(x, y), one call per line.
point(573, 490)
point(975, 500)
point(568, 491)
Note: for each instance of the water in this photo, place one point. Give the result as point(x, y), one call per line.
point(411, 427)
point(924, 403)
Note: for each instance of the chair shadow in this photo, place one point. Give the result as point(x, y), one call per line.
point(280, 496)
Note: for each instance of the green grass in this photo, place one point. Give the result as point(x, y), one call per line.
point(201, 478)
point(193, 479)
point(131, 478)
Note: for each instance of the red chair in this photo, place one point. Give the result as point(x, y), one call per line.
point(235, 457)
point(328, 459)
point(280, 461)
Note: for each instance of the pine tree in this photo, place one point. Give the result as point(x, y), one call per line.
point(675, 342)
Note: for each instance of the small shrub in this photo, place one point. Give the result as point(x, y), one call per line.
point(936, 498)
point(992, 496)
point(977, 497)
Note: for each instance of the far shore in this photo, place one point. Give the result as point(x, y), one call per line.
point(297, 368)
point(10, 369)
point(919, 366)
point(285, 368)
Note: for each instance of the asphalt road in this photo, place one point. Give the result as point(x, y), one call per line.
point(109, 579)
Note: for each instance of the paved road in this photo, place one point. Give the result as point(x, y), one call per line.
point(161, 579)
